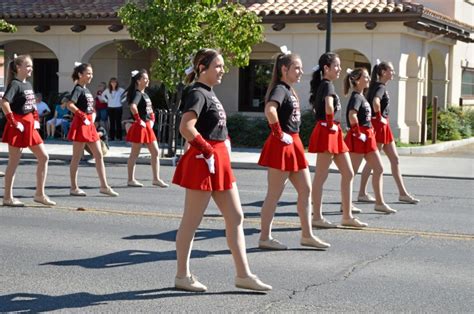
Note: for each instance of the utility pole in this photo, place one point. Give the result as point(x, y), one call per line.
point(328, 26)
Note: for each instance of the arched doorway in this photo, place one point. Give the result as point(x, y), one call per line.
point(117, 58)
point(437, 81)
point(45, 65)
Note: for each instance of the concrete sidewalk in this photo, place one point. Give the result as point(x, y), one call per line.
point(414, 161)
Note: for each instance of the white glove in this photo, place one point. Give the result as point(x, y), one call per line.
point(363, 137)
point(94, 115)
point(143, 124)
point(209, 161)
point(37, 125)
point(87, 122)
point(228, 146)
point(20, 127)
point(333, 128)
point(383, 120)
point(286, 138)
point(152, 123)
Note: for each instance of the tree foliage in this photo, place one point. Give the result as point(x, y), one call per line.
point(176, 29)
point(7, 27)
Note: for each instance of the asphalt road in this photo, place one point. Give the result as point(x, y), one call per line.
point(118, 254)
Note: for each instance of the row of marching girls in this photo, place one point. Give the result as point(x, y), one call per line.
point(369, 132)
point(283, 152)
point(23, 122)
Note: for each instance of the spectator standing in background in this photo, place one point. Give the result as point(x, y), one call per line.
point(112, 96)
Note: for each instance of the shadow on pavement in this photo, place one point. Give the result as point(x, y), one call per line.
point(130, 257)
point(201, 234)
point(33, 302)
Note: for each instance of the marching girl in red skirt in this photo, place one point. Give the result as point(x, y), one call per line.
point(18, 105)
point(141, 131)
point(83, 131)
point(360, 139)
point(379, 101)
point(283, 152)
point(327, 141)
point(205, 172)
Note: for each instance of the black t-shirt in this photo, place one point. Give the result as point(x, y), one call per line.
point(358, 103)
point(326, 88)
point(211, 122)
point(83, 99)
point(144, 105)
point(289, 114)
point(379, 90)
point(21, 97)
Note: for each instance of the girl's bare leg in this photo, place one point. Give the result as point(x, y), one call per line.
point(228, 202)
point(195, 203)
point(276, 184)
point(347, 175)
point(14, 154)
point(77, 151)
point(323, 162)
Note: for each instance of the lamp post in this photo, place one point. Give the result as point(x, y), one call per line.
point(328, 26)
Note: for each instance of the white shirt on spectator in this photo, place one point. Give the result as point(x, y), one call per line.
point(112, 98)
point(42, 108)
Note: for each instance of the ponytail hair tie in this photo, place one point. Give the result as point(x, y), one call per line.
point(15, 56)
point(134, 72)
point(285, 50)
point(349, 71)
point(316, 68)
point(377, 61)
point(189, 70)
point(76, 64)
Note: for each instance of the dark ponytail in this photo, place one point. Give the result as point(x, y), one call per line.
point(79, 69)
point(351, 79)
point(13, 64)
point(132, 87)
point(377, 72)
point(326, 59)
point(282, 59)
point(202, 57)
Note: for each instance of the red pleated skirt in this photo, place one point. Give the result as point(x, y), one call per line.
point(193, 173)
point(323, 140)
point(29, 137)
point(355, 145)
point(80, 132)
point(285, 157)
point(383, 133)
point(139, 134)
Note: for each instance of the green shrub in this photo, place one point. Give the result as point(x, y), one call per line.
point(307, 126)
point(247, 131)
point(453, 124)
point(448, 126)
point(252, 132)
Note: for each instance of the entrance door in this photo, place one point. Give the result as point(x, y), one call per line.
point(45, 79)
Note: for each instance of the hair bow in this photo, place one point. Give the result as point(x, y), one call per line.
point(349, 71)
point(377, 62)
point(316, 68)
point(285, 50)
point(189, 70)
point(76, 64)
point(15, 56)
point(134, 72)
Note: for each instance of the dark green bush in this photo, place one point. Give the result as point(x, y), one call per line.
point(247, 131)
point(453, 123)
point(252, 132)
point(448, 126)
